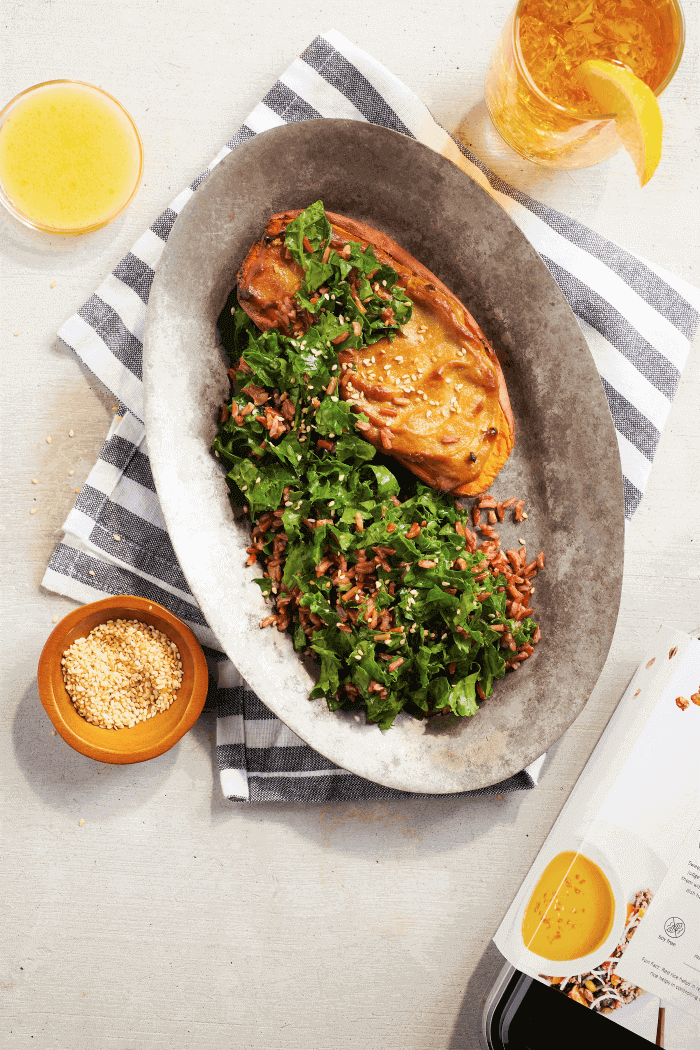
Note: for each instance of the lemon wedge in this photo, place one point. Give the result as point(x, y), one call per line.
point(639, 124)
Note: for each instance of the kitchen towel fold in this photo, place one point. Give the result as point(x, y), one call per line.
point(638, 321)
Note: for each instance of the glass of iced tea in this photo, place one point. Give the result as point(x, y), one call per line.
point(532, 93)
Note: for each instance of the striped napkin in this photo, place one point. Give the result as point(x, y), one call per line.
point(638, 321)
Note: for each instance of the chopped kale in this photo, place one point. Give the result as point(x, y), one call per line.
point(418, 633)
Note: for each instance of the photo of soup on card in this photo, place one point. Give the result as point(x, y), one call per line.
point(570, 913)
point(573, 909)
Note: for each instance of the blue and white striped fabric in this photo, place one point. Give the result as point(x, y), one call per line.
point(638, 321)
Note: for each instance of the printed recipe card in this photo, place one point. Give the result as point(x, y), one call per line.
point(609, 913)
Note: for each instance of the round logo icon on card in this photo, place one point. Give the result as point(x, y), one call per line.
point(674, 927)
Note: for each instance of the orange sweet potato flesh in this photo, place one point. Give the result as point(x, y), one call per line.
point(435, 396)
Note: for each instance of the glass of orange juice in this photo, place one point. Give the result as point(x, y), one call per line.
point(532, 94)
point(70, 157)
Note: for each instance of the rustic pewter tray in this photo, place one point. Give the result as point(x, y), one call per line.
point(565, 463)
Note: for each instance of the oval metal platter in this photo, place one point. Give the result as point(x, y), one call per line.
point(565, 464)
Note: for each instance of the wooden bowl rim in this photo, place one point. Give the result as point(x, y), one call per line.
point(117, 606)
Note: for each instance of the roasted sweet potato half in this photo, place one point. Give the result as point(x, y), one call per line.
point(435, 395)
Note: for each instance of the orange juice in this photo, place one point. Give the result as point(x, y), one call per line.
point(571, 911)
point(531, 90)
point(70, 157)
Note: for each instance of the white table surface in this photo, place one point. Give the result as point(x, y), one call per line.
point(172, 918)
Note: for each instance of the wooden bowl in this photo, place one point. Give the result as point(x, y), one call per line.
point(146, 739)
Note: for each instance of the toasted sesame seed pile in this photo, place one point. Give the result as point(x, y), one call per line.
point(124, 672)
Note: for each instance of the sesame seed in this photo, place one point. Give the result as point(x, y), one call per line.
point(48, 440)
point(71, 433)
point(33, 511)
point(117, 537)
point(122, 673)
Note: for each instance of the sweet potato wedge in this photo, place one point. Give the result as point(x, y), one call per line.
point(435, 395)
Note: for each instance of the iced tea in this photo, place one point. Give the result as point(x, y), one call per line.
point(532, 93)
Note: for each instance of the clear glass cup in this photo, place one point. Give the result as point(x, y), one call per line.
point(542, 130)
point(71, 157)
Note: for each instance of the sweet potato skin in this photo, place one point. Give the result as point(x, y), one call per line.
point(447, 417)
